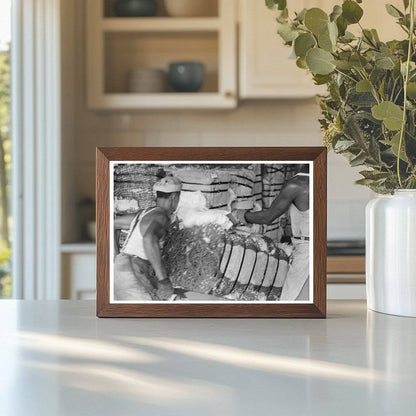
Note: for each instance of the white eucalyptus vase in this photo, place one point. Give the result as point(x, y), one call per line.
point(391, 253)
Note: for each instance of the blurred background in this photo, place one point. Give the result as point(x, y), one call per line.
point(100, 73)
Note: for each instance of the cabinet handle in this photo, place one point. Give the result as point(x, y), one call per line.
point(228, 94)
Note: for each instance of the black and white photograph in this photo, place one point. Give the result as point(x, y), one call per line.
point(208, 231)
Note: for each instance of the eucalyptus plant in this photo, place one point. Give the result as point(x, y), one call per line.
point(369, 112)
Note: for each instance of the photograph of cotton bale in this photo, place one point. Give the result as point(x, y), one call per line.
point(211, 231)
point(133, 187)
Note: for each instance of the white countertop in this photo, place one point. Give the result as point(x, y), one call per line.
point(58, 359)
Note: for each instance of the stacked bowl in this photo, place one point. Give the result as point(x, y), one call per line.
point(147, 80)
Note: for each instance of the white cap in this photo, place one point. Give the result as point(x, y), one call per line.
point(168, 185)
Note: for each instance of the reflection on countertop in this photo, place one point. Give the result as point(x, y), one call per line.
point(63, 360)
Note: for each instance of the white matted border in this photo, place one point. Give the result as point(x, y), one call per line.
point(212, 162)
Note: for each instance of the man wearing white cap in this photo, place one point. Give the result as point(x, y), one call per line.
point(133, 277)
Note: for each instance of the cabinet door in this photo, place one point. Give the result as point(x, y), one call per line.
point(376, 17)
point(265, 68)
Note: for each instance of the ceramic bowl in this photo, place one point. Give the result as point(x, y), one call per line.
point(186, 76)
point(136, 8)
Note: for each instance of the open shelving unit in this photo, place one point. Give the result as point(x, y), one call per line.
point(118, 45)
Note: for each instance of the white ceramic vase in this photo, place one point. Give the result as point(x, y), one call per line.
point(391, 253)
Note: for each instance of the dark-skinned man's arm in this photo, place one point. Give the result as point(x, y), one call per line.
point(156, 230)
point(279, 206)
point(121, 222)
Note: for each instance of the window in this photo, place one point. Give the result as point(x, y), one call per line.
point(5, 145)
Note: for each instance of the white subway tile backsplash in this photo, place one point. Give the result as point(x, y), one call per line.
point(173, 138)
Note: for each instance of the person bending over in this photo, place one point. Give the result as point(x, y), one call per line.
point(134, 279)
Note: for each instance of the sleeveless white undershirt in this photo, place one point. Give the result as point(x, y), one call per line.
point(299, 219)
point(134, 240)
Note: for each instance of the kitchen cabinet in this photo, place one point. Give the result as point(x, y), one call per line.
point(265, 70)
point(78, 263)
point(118, 45)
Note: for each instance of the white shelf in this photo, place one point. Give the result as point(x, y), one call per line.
point(163, 101)
point(159, 24)
point(81, 247)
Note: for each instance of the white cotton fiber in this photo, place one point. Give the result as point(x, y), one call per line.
point(192, 210)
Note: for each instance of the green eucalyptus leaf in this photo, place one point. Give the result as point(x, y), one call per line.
point(276, 4)
point(354, 128)
point(321, 79)
point(365, 182)
point(382, 88)
point(405, 21)
point(342, 25)
point(393, 11)
point(391, 114)
point(358, 160)
point(411, 90)
point(303, 43)
point(301, 63)
point(319, 61)
point(394, 146)
point(333, 32)
point(363, 86)
point(375, 35)
point(358, 61)
point(336, 12)
point(368, 36)
point(325, 42)
point(377, 74)
point(412, 67)
point(343, 145)
point(282, 19)
point(286, 32)
point(374, 150)
point(385, 63)
point(374, 175)
point(343, 65)
point(347, 37)
point(361, 99)
point(334, 91)
point(300, 17)
point(396, 71)
point(316, 20)
point(351, 11)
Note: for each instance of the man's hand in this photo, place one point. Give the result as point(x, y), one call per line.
point(164, 289)
point(239, 216)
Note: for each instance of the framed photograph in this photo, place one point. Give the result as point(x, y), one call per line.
point(211, 232)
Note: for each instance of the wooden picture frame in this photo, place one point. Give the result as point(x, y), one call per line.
point(316, 308)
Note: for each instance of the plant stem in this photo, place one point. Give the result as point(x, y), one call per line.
point(406, 80)
point(373, 89)
point(345, 75)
